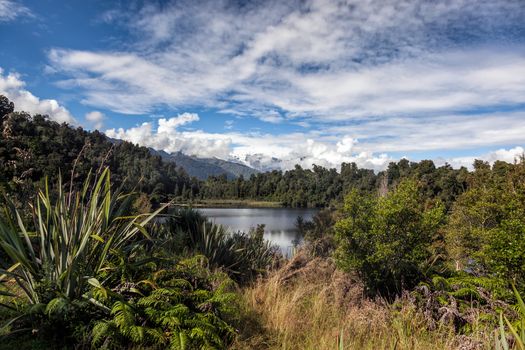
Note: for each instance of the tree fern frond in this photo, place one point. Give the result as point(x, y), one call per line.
point(124, 314)
point(57, 306)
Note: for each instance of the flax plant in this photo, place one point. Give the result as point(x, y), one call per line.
point(517, 330)
point(75, 235)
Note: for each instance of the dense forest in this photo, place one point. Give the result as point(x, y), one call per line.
point(91, 256)
point(33, 147)
point(321, 187)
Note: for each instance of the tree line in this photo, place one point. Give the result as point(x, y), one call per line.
point(322, 187)
point(34, 147)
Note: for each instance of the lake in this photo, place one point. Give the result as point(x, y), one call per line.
point(279, 222)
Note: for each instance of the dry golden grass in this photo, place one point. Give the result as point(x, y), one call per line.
point(309, 304)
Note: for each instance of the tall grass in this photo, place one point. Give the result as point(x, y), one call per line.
point(309, 304)
point(74, 236)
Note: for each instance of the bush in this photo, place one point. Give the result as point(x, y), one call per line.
point(486, 230)
point(76, 237)
point(242, 255)
point(388, 240)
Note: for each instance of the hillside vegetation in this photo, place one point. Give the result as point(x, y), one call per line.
point(416, 257)
point(33, 147)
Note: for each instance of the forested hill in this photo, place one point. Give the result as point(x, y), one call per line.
point(33, 147)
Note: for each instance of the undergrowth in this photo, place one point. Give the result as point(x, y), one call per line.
point(309, 304)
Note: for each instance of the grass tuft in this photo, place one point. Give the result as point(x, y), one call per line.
point(309, 304)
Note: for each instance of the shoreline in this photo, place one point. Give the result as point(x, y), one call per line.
point(229, 203)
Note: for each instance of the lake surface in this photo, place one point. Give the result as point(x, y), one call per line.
point(279, 222)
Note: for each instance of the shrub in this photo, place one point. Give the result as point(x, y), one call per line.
point(485, 233)
point(388, 240)
point(242, 255)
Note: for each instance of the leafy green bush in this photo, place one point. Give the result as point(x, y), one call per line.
point(486, 230)
point(75, 236)
point(388, 239)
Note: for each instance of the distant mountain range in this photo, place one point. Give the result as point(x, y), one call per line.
point(202, 168)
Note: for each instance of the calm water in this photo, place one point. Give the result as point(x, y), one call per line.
point(280, 222)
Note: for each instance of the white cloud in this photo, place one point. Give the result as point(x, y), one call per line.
point(96, 118)
point(507, 155)
point(263, 151)
point(397, 76)
point(10, 10)
point(166, 137)
point(511, 155)
point(272, 118)
point(326, 58)
point(346, 145)
point(170, 125)
point(446, 132)
point(13, 88)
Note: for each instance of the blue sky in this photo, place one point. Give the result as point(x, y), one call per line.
point(275, 83)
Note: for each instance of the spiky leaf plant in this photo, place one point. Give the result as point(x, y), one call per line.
point(75, 235)
point(516, 329)
point(242, 255)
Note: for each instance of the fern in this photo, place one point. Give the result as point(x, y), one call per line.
point(171, 310)
point(466, 293)
point(57, 306)
point(102, 330)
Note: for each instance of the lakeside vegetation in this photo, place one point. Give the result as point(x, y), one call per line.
point(416, 257)
point(228, 203)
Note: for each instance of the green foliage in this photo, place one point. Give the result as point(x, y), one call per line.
point(76, 236)
point(241, 255)
point(516, 329)
point(505, 251)
point(185, 307)
point(33, 148)
point(86, 274)
point(485, 234)
point(388, 239)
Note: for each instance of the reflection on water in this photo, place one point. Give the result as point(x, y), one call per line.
point(279, 222)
